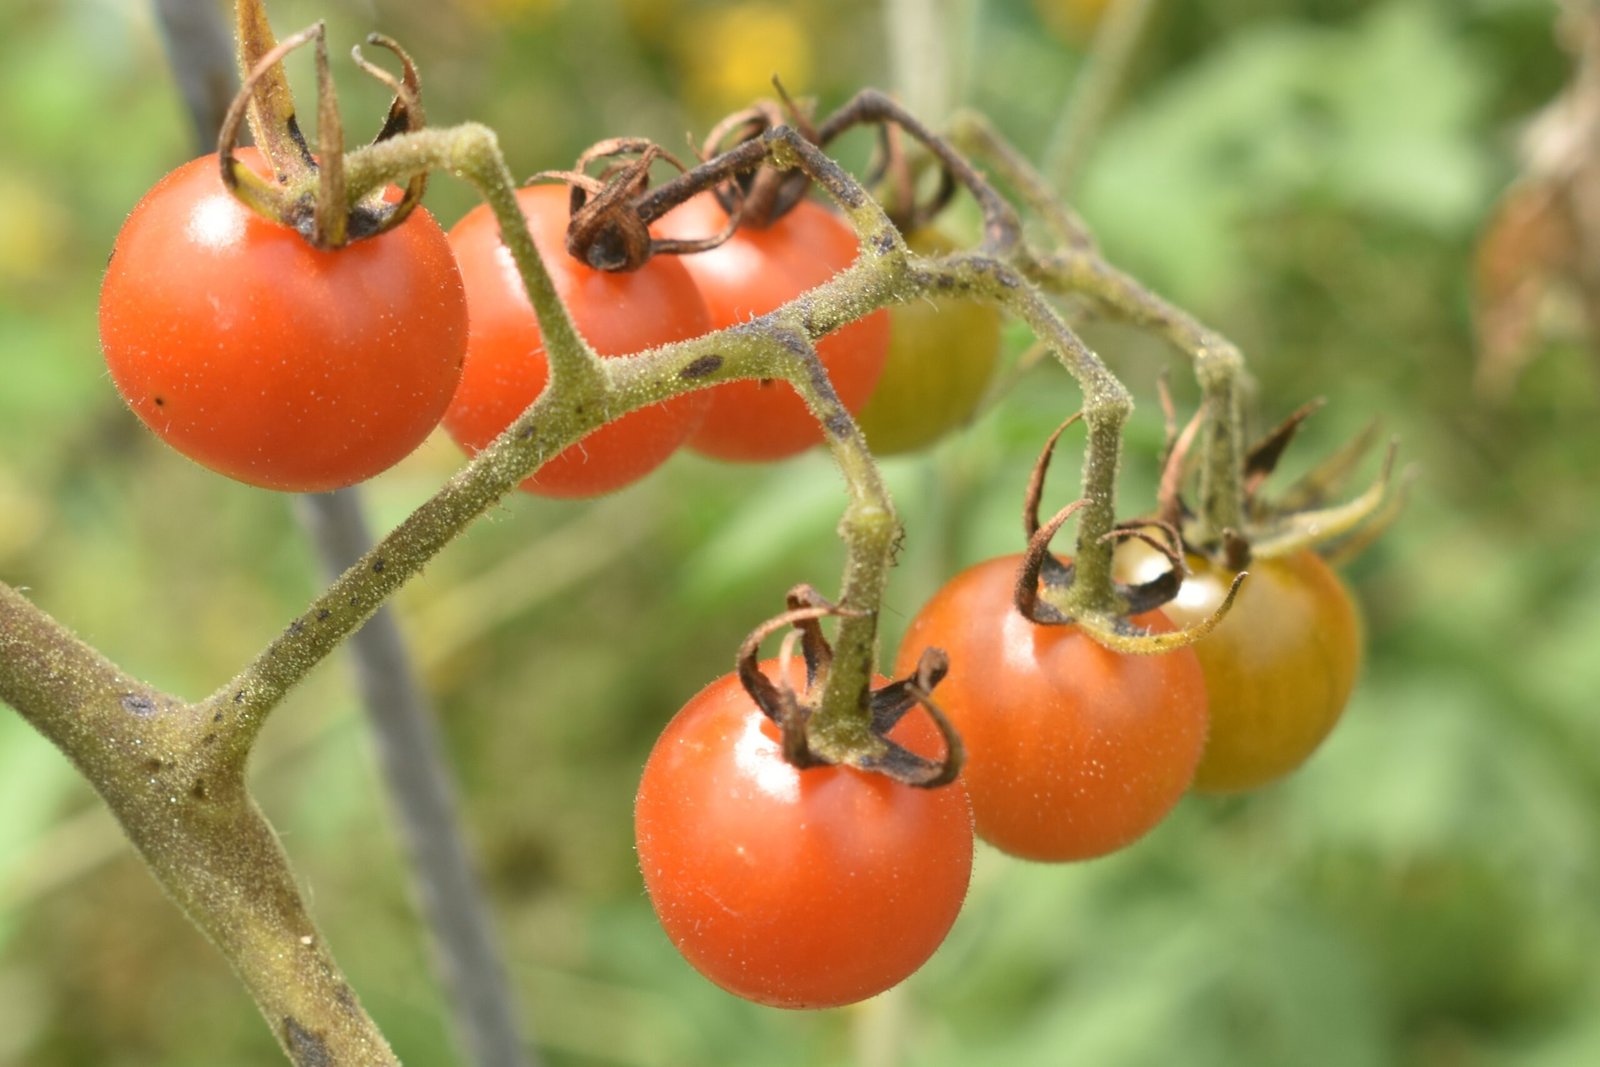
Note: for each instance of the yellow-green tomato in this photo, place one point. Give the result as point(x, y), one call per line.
point(941, 358)
point(1279, 668)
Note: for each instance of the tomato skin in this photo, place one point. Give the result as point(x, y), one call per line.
point(617, 313)
point(752, 273)
point(1279, 668)
point(270, 361)
point(796, 889)
point(941, 358)
point(1073, 750)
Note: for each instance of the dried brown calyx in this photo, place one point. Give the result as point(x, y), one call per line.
point(797, 713)
point(1301, 516)
point(764, 195)
point(1044, 589)
point(608, 230)
point(304, 190)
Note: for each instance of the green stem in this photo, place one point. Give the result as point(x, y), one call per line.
point(1096, 89)
point(1219, 368)
point(149, 756)
point(1106, 407)
point(1079, 269)
point(472, 152)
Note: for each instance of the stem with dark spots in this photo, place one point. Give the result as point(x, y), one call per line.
point(152, 760)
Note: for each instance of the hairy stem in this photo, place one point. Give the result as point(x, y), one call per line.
point(149, 757)
point(1218, 364)
point(1079, 269)
point(422, 794)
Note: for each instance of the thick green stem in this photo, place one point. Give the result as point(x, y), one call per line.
point(151, 758)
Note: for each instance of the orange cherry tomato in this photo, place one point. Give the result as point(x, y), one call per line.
point(1279, 668)
point(1073, 750)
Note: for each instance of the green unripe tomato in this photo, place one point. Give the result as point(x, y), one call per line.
point(941, 358)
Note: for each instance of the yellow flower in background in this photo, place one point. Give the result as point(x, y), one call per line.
point(33, 230)
point(727, 55)
point(508, 11)
point(1072, 20)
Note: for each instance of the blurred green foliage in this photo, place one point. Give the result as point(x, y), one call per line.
point(1309, 176)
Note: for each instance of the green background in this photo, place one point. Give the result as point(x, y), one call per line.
point(1310, 177)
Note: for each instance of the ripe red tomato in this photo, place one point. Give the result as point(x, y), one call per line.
point(1279, 668)
point(752, 273)
point(271, 361)
point(798, 889)
point(618, 314)
point(1073, 750)
point(941, 357)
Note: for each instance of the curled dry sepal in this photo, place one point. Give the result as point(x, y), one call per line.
point(309, 192)
point(794, 712)
point(1302, 515)
point(1044, 583)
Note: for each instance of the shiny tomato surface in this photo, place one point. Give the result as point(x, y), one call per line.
point(795, 888)
point(253, 353)
point(1073, 750)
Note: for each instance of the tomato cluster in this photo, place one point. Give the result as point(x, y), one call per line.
point(301, 369)
point(304, 369)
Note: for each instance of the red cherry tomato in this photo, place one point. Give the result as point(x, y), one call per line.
point(752, 273)
point(1279, 668)
point(271, 361)
point(798, 889)
point(618, 314)
point(1073, 750)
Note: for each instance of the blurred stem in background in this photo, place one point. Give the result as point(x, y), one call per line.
point(1095, 92)
point(415, 774)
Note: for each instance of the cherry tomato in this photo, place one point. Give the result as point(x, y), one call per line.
point(1073, 750)
point(941, 357)
point(798, 889)
point(268, 360)
point(752, 273)
point(618, 314)
point(1279, 668)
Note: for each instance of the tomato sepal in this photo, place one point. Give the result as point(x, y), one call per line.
point(869, 747)
point(1046, 590)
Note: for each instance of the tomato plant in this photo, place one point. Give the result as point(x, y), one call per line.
point(750, 274)
point(268, 360)
point(617, 313)
point(1279, 667)
point(795, 888)
point(1073, 750)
